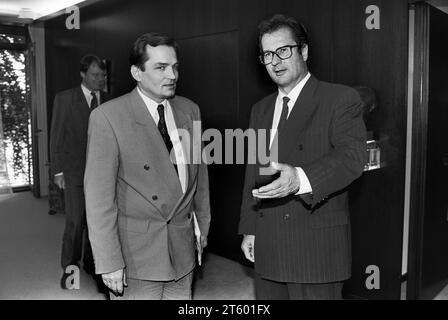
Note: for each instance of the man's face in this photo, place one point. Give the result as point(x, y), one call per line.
point(158, 81)
point(94, 78)
point(285, 73)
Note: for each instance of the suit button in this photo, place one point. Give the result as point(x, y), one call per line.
point(189, 216)
point(261, 214)
point(300, 147)
point(155, 197)
point(146, 167)
point(286, 216)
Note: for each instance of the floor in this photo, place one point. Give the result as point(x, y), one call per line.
point(30, 242)
point(29, 259)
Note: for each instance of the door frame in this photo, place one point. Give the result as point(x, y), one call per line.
point(420, 96)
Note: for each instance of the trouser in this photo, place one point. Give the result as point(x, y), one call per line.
point(272, 290)
point(75, 239)
point(157, 290)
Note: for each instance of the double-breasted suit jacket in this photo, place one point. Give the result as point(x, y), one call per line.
point(306, 238)
point(137, 214)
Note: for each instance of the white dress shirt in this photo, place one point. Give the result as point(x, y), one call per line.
point(305, 186)
point(88, 95)
point(174, 134)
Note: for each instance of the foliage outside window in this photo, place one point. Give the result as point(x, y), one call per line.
point(15, 113)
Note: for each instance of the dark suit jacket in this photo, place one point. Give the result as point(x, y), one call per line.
point(68, 137)
point(306, 238)
point(137, 215)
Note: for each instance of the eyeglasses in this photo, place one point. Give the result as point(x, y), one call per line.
point(283, 53)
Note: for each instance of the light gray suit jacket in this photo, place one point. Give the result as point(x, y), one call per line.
point(137, 215)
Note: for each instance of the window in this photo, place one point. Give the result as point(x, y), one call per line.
point(15, 116)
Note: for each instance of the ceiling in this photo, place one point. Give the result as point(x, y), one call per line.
point(440, 4)
point(26, 11)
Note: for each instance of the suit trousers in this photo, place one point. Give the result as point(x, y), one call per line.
point(157, 290)
point(272, 290)
point(75, 237)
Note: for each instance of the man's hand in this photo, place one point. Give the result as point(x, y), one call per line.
point(248, 246)
point(115, 281)
point(288, 183)
point(59, 181)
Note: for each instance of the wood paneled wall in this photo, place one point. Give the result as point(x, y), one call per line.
point(220, 71)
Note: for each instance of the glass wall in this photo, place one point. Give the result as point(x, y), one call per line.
point(15, 134)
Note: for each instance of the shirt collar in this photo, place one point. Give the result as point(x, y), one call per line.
point(151, 104)
point(87, 92)
point(295, 92)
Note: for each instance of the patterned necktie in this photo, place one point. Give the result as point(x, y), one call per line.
point(164, 131)
point(94, 102)
point(284, 115)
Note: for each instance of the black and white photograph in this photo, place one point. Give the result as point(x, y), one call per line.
point(225, 154)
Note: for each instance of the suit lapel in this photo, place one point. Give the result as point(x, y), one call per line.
point(266, 120)
point(298, 119)
point(184, 122)
point(82, 101)
point(154, 146)
point(81, 110)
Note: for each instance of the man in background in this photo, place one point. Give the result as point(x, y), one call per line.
point(296, 228)
point(68, 142)
point(143, 192)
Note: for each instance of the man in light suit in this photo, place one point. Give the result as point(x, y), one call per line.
point(296, 222)
point(141, 204)
point(68, 142)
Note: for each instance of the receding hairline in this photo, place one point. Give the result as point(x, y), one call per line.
point(149, 47)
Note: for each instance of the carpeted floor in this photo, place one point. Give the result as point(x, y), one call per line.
point(30, 242)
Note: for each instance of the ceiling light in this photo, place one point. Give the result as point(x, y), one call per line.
point(27, 13)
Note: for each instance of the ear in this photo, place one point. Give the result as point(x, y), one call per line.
point(82, 74)
point(304, 51)
point(135, 72)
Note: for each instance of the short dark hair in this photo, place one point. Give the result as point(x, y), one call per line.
point(88, 59)
point(279, 21)
point(138, 55)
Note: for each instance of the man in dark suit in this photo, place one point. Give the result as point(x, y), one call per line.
point(296, 222)
point(68, 142)
point(144, 194)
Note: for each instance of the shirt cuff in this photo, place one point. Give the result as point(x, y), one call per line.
point(62, 173)
point(305, 186)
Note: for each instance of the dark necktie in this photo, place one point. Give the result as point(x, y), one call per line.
point(164, 131)
point(284, 115)
point(94, 102)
